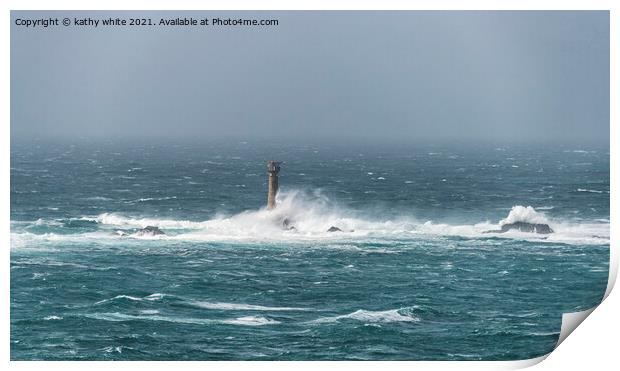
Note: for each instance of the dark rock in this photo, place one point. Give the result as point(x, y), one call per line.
point(149, 231)
point(528, 227)
point(288, 224)
point(334, 229)
point(525, 227)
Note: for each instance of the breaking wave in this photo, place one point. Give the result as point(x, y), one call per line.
point(241, 306)
point(367, 316)
point(311, 216)
point(202, 304)
point(151, 297)
point(240, 321)
point(590, 190)
point(525, 214)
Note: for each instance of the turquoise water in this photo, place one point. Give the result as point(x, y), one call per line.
point(412, 277)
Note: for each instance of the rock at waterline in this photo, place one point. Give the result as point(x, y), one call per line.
point(149, 231)
point(528, 227)
point(334, 229)
point(539, 228)
point(287, 224)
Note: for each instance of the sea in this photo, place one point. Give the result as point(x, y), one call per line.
point(419, 270)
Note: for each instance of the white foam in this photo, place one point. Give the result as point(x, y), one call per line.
point(525, 214)
point(241, 321)
point(122, 317)
point(595, 233)
point(35, 240)
point(311, 218)
point(155, 296)
point(118, 349)
point(146, 199)
point(250, 321)
point(588, 190)
point(128, 297)
point(98, 198)
point(149, 311)
point(152, 297)
point(128, 222)
point(312, 215)
point(368, 316)
point(240, 306)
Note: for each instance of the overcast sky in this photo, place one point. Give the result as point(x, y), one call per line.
point(407, 76)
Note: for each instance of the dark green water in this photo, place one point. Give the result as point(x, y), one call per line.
point(412, 277)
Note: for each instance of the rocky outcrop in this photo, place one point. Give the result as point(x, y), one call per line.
point(539, 228)
point(149, 231)
point(527, 227)
point(287, 224)
point(334, 229)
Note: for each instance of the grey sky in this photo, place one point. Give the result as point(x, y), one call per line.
point(408, 76)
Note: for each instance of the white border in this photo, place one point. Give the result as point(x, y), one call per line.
point(569, 357)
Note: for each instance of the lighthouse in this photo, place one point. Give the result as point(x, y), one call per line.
point(273, 168)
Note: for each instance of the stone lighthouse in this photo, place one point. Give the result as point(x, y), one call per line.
point(273, 168)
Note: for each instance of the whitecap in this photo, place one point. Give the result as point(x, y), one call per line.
point(152, 297)
point(312, 215)
point(128, 297)
point(588, 190)
point(361, 315)
point(241, 321)
point(98, 198)
point(250, 321)
point(149, 311)
point(240, 306)
point(155, 296)
point(525, 214)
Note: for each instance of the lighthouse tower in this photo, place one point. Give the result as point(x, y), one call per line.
point(273, 168)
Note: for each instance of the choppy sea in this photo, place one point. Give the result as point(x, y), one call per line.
point(412, 275)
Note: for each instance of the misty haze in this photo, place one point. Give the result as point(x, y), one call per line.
point(405, 76)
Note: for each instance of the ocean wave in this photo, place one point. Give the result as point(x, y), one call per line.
point(549, 333)
point(117, 349)
point(240, 321)
point(149, 311)
point(312, 216)
point(590, 233)
point(201, 304)
point(240, 306)
point(525, 214)
point(129, 222)
point(250, 321)
point(52, 318)
point(589, 190)
point(152, 297)
point(98, 198)
point(367, 316)
point(147, 199)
